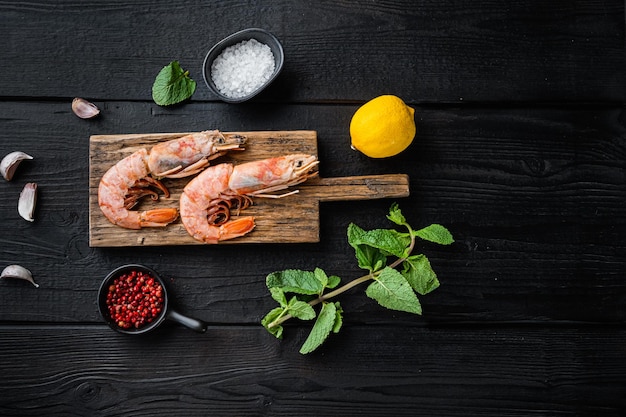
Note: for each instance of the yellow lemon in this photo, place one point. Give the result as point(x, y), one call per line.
point(382, 127)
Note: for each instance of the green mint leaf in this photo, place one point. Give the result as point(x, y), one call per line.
point(369, 258)
point(333, 281)
point(269, 318)
point(435, 233)
point(419, 274)
point(379, 265)
point(172, 85)
point(295, 281)
point(338, 318)
point(386, 240)
point(300, 309)
point(321, 329)
point(391, 290)
point(278, 295)
point(395, 215)
point(321, 277)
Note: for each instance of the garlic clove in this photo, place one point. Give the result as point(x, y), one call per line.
point(10, 162)
point(84, 109)
point(17, 271)
point(28, 201)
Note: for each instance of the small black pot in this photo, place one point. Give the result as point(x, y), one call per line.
point(167, 313)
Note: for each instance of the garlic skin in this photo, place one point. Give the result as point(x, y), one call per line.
point(10, 162)
point(17, 271)
point(84, 109)
point(28, 201)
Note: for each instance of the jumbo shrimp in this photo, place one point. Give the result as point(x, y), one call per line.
point(138, 175)
point(207, 200)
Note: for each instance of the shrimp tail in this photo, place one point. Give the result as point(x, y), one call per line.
point(158, 217)
point(237, 227)
point(228, 230)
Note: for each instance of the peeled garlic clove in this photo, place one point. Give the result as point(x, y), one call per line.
point(10, 163)
point(84, 109)
point(17, 271)
point(28, 201)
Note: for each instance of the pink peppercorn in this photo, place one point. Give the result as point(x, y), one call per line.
point(134, 300)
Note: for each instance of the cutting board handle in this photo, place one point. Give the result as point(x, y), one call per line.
point(367, 187)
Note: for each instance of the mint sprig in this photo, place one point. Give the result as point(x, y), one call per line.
point(172, 85)
point(394, 285)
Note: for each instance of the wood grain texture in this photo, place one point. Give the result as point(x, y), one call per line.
point(533, 195)
point(428, 52)
point(365, 371)
point(520, 152)
point(294, 219)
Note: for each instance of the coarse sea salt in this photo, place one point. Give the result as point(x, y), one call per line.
point(243, 68)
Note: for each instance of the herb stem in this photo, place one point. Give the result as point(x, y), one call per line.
point(325, 297)
point(343, 288)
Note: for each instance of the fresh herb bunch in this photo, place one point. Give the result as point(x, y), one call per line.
point(298, 291)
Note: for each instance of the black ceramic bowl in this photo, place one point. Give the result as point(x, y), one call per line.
point(166, 312)
point(260, 35)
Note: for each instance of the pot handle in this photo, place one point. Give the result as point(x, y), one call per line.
point(193, 324)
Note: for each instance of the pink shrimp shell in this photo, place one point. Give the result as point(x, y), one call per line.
point(198, 195)
point(114, 186)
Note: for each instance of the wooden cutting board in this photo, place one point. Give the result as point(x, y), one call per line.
point(293, 219)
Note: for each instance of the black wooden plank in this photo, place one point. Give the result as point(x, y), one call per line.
point(424, 51)
point(534, 198)
point(520, 152)
point(365, 371)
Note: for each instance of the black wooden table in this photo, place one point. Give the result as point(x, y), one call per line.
point(520, 153)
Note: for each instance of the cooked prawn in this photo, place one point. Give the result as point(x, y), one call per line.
point(137, 176)
point(190, 154)
point(207, 200)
